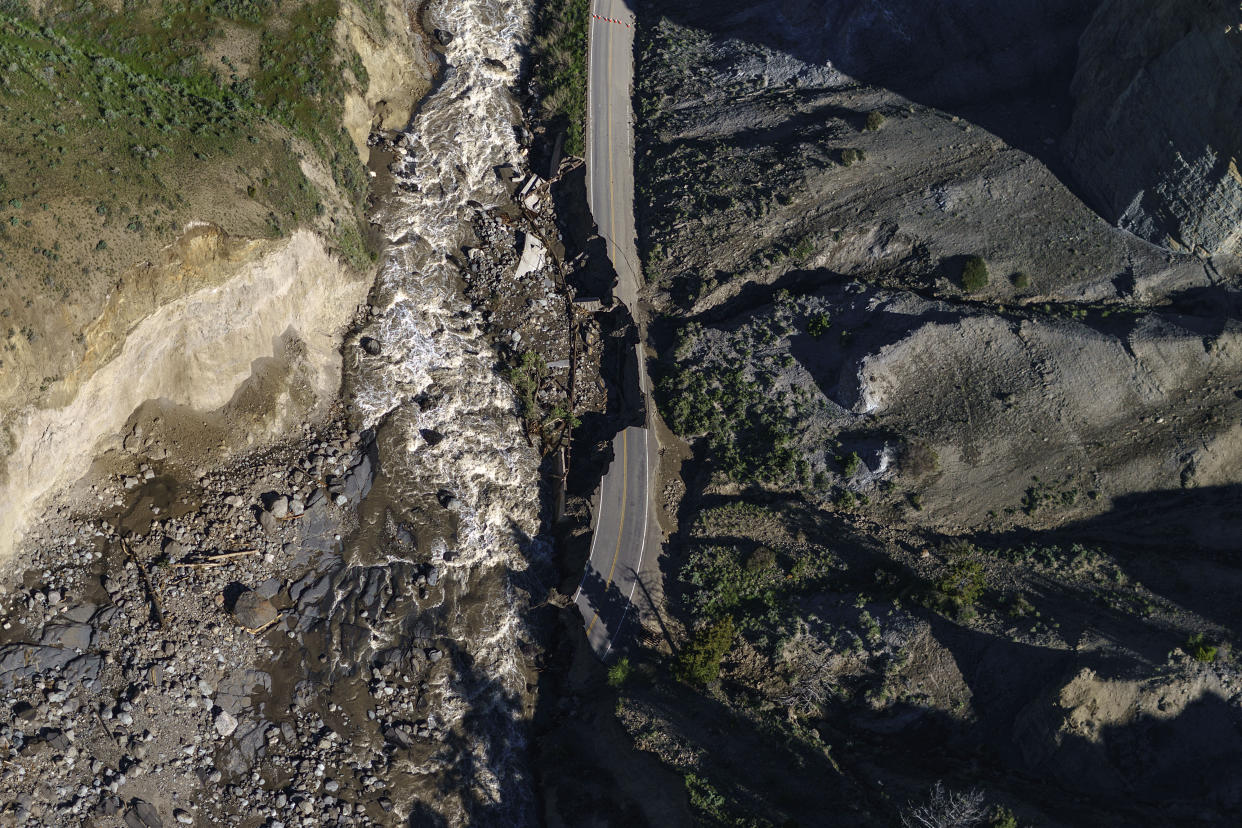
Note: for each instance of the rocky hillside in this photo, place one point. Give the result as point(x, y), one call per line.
point(181, 215)
point(922, 382)
point(1156, 122)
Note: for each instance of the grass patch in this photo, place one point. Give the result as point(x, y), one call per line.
point(619, 672)
point(561, 68)
point(114, 125)
point(1198, 647)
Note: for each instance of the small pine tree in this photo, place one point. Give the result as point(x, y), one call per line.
point(619, 672)
point(699, 662)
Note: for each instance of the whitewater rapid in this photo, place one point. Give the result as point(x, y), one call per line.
point(437, 376)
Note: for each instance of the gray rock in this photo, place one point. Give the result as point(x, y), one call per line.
point(69, 636)
point(252, 610)
point(359, 479)
point(225, 724)
point(279, 507)
point(142, 814)
point(183, 817)
point(443, 37)
point(25, 661)
point(235, 501)
point(269, 523)
point(81, 613)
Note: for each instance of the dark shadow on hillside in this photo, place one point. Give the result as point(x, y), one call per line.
point(1179, 770)
point(1182, 544)
point(1005, 66)
point(1145, 771)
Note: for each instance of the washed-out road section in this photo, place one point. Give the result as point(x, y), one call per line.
point(625, 540)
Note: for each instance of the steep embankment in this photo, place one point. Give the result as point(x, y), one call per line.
point(270, 319)
point(957, 438)
point(773, 181)
point(1158, 122)
point(214, 241)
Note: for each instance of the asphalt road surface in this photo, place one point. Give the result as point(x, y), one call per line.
point(610, 141)
point(622, 540)
point(625, 540)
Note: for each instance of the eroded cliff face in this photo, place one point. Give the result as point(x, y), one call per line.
point(268, 313)
point(240, 316)
point(1158, 122)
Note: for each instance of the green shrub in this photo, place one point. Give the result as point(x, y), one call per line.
point(699, 661)
point(619, 673)
point(875, 120)
point(974, 274)
point(804, 248)
point(850, 464)
point(705, 799)
point(962, 583)
point(851, 156)
point(1002, 817)
point(1199, 648)
point(818, 325)
point(1020, 280)
point(525, 377)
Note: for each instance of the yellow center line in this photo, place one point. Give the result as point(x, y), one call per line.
point(625, 486)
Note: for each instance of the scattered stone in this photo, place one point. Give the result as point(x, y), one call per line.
point(443, 37)
point(225, 723)
point(269, 523)
point(142, 814)
point(253, 611)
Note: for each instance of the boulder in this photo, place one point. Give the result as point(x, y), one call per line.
point(253, 611)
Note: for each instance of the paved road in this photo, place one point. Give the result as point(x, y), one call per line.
point(625, 540)
point(610, 141)
point(622, 540)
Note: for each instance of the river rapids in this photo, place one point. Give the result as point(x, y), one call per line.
point(457, 471)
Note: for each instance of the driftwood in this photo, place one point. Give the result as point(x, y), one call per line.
point(219, 559)
point(153, 597)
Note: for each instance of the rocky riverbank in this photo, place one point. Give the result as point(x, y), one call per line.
point(330, 630)
point(289, 637)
